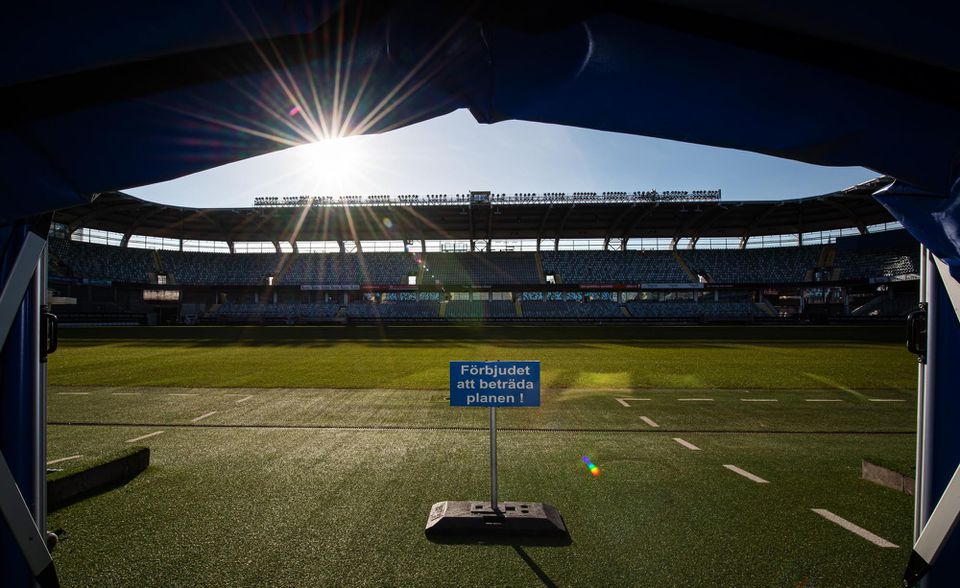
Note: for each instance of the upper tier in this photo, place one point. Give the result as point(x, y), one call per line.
point(727, 266)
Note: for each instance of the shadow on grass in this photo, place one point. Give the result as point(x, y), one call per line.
point(517, 335)
point(492, 539)
point(534, 567)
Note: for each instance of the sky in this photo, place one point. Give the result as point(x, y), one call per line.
point(454, 154)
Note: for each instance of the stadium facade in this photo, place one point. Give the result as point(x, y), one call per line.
point(616, 256)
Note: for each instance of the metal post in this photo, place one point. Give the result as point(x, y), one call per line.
point(41, 406)
point(493, 458)
point(920, 509)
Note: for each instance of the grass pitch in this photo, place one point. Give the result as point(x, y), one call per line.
point(626, 357)
point(307, 482)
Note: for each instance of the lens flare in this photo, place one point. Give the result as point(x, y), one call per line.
point(594, 470)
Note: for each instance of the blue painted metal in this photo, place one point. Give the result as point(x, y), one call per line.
point(943, 402)
point(19, 432)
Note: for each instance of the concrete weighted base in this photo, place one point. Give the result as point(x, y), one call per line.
point(476, 520)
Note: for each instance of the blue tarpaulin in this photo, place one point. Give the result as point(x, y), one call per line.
point(104, 96)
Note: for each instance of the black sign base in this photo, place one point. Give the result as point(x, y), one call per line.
point(465, 521)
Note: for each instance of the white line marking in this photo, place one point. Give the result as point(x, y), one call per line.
point(823, 400)
point(73, 393)
point(176, 394)
point(686, 444)
point(244, 399)
point(649, 421)
point(876, 540)
point(142, 437)
point(53, 461)
point(622, 400)
point(745, 474)
point(884, 400)
point(695, 399)
point(203, 416)
point(758, 400)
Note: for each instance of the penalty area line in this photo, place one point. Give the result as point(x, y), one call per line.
point(203, 416)
point(695, 399)
point(745, 474)
point(53, 461)
point(686, 444)
point(623, 401)
point(649, 421)
point(244, 399)
point(856, 530)
point(142, 437)
point(758, 400)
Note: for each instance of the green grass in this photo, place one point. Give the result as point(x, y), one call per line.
point(260, 507)
point(279, 490)
point(565, 409)
point(96, 458)
point(417, 357)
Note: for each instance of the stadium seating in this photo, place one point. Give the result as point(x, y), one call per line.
point(684, 309)
point(259, 312)
point(105, 262)
point(557, 309)
point(479, 310)
point(483, 269)
point(221, 269)
point(753, 266)
point(612, 267)
point(877, 263)
point(393, 310)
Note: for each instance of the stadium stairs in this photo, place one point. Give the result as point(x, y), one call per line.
point(541, 276)
point(157, 263)
point(874, 304)
point(443, 305)
point(683, 265)
point(516, 302)
point(827, 256)
point(420, 272)
point(766, 308)
point(285, 261)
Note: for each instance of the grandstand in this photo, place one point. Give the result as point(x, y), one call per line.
point(499, 259)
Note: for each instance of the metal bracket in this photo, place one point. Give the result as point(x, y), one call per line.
point(941, 522)
point(917, 333)
point(20, 275)
point(24, 530)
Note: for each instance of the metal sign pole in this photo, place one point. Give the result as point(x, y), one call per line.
point(493, 458)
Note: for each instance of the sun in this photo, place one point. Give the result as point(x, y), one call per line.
point(333, 166)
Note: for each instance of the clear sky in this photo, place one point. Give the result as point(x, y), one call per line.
point(454, 154)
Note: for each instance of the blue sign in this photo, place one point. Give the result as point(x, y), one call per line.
point(494, 383)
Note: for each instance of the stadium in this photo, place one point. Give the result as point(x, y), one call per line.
point(355, 284)
point(609, 257)
point(679, 386)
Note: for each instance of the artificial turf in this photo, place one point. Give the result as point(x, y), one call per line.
point(623, 357)
point(294, 507)
point(325, 475)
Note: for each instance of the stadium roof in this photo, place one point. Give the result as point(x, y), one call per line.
point(613, 219)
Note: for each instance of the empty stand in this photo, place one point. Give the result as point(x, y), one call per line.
point(482, 269)
point(612, 267)
point(753, 266)
point(104, 262)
